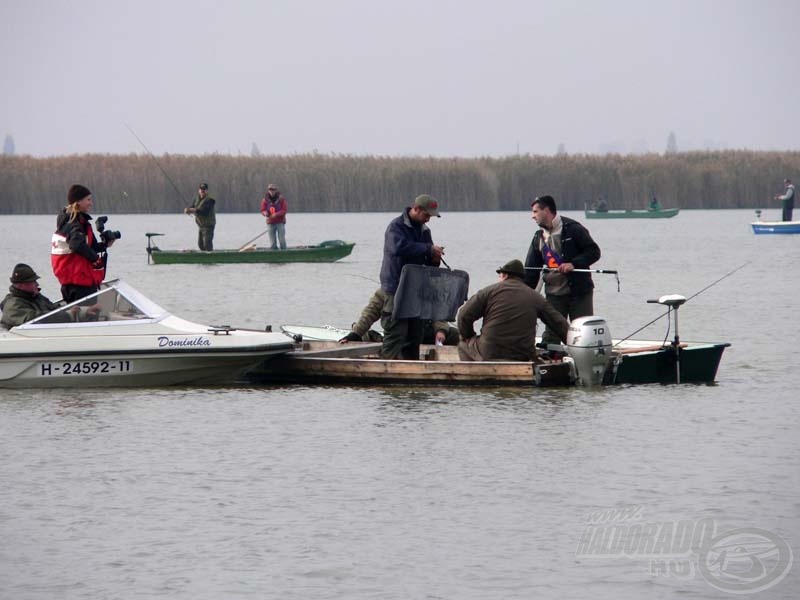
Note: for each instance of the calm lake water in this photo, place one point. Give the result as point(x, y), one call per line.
point(355, 492)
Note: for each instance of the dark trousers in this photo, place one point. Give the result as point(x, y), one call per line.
point(401, 338)
point(205, 238)
point(788, 206)
point(71, 292)
point(571, 307)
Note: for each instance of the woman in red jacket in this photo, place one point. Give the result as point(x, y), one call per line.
point(77, 256)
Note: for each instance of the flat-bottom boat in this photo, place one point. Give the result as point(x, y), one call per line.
point(321, 359)
point(780, 227)
point(128, 341)
point(771, 227)
point(661, 213)
point(327, 251)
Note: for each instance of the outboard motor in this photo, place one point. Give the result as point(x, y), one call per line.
point(589, 346)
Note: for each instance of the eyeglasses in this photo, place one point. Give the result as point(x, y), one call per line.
point(272, 190)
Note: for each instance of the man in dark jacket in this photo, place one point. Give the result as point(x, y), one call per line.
point(559, 247)
point(787, 200)
point(24, 300)
point(205, 216)
point(509, 310)
point(407, 241)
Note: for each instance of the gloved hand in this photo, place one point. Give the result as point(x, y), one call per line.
point(351, 337)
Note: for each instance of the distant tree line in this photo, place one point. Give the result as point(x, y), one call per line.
point(344, 183)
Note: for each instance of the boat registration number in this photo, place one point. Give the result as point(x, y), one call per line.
point(85, 367)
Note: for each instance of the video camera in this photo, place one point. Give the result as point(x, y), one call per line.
point(106, 235)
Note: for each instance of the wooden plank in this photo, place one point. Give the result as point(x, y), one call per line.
point(337, 350)
point(405, 370)
point(655, 348)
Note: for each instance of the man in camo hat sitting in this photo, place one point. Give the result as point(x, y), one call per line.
point(509, 309)
point(24, 300)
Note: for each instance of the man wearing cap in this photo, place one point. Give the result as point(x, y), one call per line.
point(559, 247)
point(24, 300)
point(274, 207)
point(787, 199)
point(76, 254)
point(205, 216)
point(509, 309)
point(407, 241)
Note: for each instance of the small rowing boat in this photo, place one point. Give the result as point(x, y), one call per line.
point(661, 213)
point(771, 227)
point(327, 251)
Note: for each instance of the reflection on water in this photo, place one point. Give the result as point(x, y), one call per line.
point(397, 492)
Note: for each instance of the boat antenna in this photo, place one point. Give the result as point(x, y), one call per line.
point(687, 300)
point(158, 164)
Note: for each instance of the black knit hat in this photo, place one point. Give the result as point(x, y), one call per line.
point(23, 274)
point(77, 192)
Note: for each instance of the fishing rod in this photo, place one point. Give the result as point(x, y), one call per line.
point(613, 272)
point(669, 308)
point(157, 163)
point(253, 240)
point(608, 271)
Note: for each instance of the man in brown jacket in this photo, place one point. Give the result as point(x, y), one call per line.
point(509, 309)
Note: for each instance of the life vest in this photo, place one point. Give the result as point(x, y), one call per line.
point(71, 268)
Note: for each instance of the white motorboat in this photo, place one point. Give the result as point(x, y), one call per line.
point(131, 341)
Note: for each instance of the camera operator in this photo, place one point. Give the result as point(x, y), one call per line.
point(77, 255)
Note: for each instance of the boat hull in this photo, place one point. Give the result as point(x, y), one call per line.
point(698, 364)
point(664, 213)
point(326, 362)
point(775, 227)
point(322, 253)
point(109, 369)
point(438, 366)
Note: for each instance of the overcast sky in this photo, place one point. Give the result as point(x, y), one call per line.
point(412, 77)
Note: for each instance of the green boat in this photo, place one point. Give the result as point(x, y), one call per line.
point(661, 213)
point(328, 251)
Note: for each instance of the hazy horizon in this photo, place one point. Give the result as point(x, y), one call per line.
point(405, 78)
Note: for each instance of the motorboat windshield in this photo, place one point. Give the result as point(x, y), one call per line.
point(115, 302)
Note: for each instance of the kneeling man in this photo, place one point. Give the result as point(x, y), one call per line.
point(509, 309)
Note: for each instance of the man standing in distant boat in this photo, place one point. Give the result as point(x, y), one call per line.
point(654, 204)
point(509, 310)
point(205, 216)
point(407, 241)
point(559, 247)
point(787, 199)
point(274, 207)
